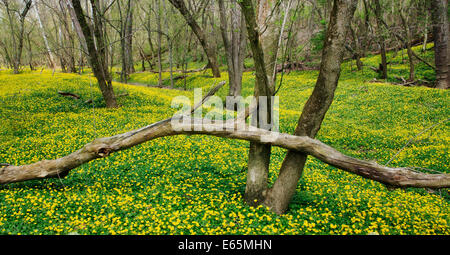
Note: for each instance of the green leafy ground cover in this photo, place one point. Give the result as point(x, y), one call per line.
point(194, 184)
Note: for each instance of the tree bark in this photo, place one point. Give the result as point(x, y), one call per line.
point(103, 147)
point(259, 154)
point(279, 196)
point(44, 36)
point(209, 51)
point(268, 15)
point(159, 40)
point(234, 48)
point(17, 45)
point(381, 40)
point(441, 44)
point(169, 43)
point(409, 51)
point(96, 55)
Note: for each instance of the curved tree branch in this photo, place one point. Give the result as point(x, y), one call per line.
point(103, 147)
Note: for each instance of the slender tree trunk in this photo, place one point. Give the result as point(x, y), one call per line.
point(169, 43)
point(44, 36)
point(30, 53)
point(158, 24)
point(381, 40)
point(280, 195)
point(208, 49)
point(268, 15)
point(129, 37)
point(441, 44)
point(234, 48)
point(259, 154)
point(357, 49)
point(425, 33)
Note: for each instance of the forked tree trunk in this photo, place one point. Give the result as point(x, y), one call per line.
point(441, 44)
point(208, 49)
point(280, 195)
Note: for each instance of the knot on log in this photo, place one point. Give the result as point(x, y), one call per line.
point(104, 151)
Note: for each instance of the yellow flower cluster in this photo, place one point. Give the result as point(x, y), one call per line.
point(194, 184)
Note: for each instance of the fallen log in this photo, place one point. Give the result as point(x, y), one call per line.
point(103, 147)
point(69, 94)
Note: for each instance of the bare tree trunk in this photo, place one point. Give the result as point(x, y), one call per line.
point(103, 147)
point(126, 39)
point(158, 24)
point(169, 43)
point(234, 48)
point(441, 44)
point(209, 51)
point(280, 37)
point(280, 195)
point(44, 36)
point(30, 52)
point(129, 37)
point(425, 33)
point(409, 51)
point(268, 15)
point(357, 49)
point(77, 27)
point(96, 55)
point(259, 154)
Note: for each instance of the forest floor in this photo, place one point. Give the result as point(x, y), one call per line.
point(194, 184)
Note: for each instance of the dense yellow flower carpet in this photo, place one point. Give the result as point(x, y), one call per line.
point(194, 184)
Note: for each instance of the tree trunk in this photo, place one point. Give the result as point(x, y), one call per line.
point(409, 51)
point(280, 195)
point(357, 49)
point(268, 15)
point(44, 36)
point(259, 154)
point(209, 51)
point(129, 38)
point(381, 41)
point(441, 44)
point(96, 55)
point(169, 43)
point(158, 24)
point(103, 147)
point(234, 48)
point(17, 46)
